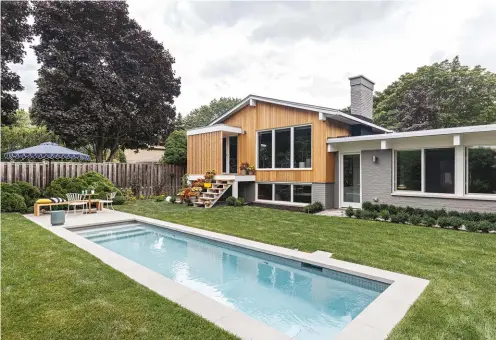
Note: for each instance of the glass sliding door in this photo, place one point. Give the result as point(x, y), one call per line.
point(233, 154)
point(350, 183)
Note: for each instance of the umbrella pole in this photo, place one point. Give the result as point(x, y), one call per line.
point(49, 172)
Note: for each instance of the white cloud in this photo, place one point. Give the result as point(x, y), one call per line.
point(304, 51)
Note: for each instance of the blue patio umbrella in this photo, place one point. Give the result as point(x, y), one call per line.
point(47, 151)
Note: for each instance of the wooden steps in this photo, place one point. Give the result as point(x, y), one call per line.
point(212, 195)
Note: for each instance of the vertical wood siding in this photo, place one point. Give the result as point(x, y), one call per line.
point(269, 116)
point(149, 178)
point(205, 153)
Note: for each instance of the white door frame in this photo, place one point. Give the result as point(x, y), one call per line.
point(343, 204)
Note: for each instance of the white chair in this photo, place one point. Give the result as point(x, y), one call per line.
point(76, 200)
point(109, 200)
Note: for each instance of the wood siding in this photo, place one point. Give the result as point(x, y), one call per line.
point(205, 153)
point(268, 116)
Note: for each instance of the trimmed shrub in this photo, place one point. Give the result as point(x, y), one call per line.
point(485, 226)
point(393, 210)
point(29, 192)
point(349, 212)
point(456, 222)
point(240, 202)
point(454, 213)
point(313, 208)
point(160, 198)
point(63, 185)
point(101, 184)
point(402, 217)
point(384, 214)
point(428, 221)
point(119, 200)
point(370, 215)
point(358, 213)
point(12, 202)
point(444, 222)
point(367, 206)
point(409, 210)
point(471, 225)
point(231, 200)
point(415, 219)
point(394, 218)
point(10, 188)
point(491, 217)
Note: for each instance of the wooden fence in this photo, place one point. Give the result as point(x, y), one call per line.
point(144, 178)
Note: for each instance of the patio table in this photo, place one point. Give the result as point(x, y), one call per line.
point(98, 206)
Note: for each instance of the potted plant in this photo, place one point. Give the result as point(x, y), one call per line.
point(209, 176)
point(187, 196)
point(195, 193)
point(244, 166)
point(180, 194)
point(251, 170)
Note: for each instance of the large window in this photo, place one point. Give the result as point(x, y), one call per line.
point(440, 170)
point(432, 172)
point(303, 147)
point(287, 148)
point(409, 170)
point(281, 192)
point(283, 148)
point(481, 170)
point(265, 149)
point(265, 192)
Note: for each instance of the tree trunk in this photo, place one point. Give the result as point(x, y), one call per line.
point(99, 154)
point(112, 154)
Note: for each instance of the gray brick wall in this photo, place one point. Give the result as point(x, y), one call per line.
point(323, 193)
point(377, 183)
point(361, 96)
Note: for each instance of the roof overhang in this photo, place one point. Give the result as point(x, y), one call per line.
point(215, 128)
point(452, 135)
point(322, 111)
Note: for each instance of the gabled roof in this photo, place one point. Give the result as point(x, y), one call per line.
point(324, 111)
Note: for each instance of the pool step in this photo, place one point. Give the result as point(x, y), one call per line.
point(116, 235)
point(105, 230)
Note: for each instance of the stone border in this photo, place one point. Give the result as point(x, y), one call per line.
point(376, 321)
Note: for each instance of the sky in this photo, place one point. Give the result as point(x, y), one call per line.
point(303, 51)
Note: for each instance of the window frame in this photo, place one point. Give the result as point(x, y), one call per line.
point(422, 191)
point(273, 200)
point(273, 131)
point(466, 174)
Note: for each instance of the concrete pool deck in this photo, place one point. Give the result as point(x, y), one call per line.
point(376, 321)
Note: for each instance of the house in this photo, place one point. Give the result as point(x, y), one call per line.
point(151, 155)
point(305, 153)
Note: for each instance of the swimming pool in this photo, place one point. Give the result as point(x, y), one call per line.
point(298, 299)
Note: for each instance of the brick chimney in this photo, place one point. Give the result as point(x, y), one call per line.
point(361, 96)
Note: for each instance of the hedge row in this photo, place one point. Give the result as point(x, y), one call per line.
point(470, 221)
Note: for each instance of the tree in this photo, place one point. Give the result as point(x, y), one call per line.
point(21, 118)
point(104, 81)
point(15, 138)
point(179, 122)
point(176, 148)
point(15, 31)
point(445, 94)
point(207, 113)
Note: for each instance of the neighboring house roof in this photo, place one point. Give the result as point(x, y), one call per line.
point(325, 111)
point(421, 133)
point(153, 154)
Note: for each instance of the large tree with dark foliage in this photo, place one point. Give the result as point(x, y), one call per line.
point(445, 94)
point(15, 31)
point(207, 113)
point(104, 81)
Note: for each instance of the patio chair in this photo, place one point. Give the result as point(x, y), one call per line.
point(109, 200)
point(76, 200)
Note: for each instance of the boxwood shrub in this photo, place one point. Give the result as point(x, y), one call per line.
point(12, 202)
point(313, 208)
point(473, 221)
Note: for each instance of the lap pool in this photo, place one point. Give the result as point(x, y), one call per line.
point(303, 301)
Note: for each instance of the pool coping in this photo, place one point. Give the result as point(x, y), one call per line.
point(376, 321)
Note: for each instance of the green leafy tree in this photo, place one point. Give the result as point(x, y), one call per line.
point(15, 138)
point(15, 31)
point(445, 94)
point(103, 81)
point(179, 122)
point(21, 118)
point(176, 148)
point(207, 113)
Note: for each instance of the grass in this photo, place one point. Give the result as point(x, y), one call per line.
point(53, 290)
point(460, 301)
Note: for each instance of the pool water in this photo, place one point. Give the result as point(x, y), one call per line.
point(302, 301)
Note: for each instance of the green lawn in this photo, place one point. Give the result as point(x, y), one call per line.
point(460, 301)
point(53, 290)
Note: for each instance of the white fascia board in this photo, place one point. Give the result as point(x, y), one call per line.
point(423, 133)
point(215, 128)
point(248, 100)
